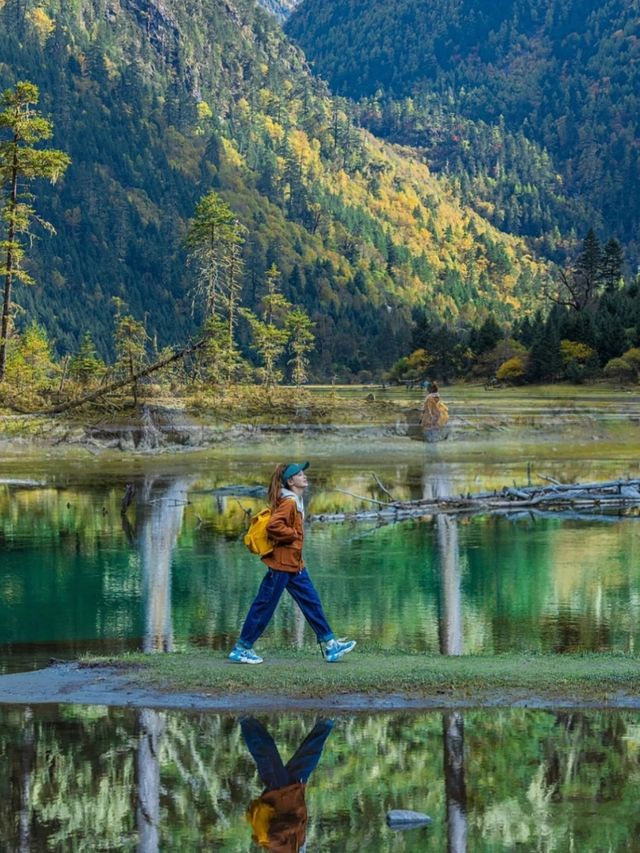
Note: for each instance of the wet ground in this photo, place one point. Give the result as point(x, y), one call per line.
point(73, 683)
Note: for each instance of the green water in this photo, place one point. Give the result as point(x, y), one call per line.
point(92, 778)
point(75, 578)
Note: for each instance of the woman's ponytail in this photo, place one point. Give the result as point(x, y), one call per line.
point(275, 486)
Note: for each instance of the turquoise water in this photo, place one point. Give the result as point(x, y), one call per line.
point(76, 577)
point(92, 778)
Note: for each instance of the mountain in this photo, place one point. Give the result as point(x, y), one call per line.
point(280, 8)
point(560, 78)
point(158, 103)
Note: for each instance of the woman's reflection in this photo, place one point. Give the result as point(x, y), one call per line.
point(278, 816)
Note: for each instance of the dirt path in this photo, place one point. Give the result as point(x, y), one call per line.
point(72, 683)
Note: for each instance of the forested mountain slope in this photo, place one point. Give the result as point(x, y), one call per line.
point(159, 102)
point(280, 8)
point(504, 95)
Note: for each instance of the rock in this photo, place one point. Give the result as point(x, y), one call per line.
point(402, 819)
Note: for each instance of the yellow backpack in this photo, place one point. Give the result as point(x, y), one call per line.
point(256, 538)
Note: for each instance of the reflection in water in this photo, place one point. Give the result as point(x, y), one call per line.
point(278, 816)
point(533, 780)
point(455, 790)
point(25, 769)
point(159, 520)
point(450, 621)
point(450, 632)
point(151, 726)
point(437, 483)
point(71, 582)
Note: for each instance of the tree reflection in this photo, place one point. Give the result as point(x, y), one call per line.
point(159, 511)
point(436, 483)
point(151, 727)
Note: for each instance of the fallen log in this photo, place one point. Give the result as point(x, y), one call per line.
point(611, 494)
point(116, 385)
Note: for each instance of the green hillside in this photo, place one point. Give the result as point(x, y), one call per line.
point(158, 103)
point(531, 105)
point(280, 8)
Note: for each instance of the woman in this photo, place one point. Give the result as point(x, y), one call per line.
point(435, 414)
point(286, 570)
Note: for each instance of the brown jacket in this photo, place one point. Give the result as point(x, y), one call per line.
point(286, 529)
point(279, 819)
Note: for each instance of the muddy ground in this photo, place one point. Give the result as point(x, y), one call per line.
point(74, 683)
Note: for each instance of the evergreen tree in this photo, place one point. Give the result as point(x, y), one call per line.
point(299, 327)
point(20, 163)
point(131, 341)
point(487, 336)
point(212, 238)
point(85, 366)
point(270, 334)
point(545, 361)
point(611, 263)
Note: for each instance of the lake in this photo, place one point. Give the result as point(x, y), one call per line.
point(94, 778)
point(76, 577)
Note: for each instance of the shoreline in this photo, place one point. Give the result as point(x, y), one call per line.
point(365, 687)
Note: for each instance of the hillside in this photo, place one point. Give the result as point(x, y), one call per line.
point(157, 104)
point(556, 81)
point(280, 8)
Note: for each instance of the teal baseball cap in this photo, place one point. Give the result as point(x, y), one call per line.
point(292, 469)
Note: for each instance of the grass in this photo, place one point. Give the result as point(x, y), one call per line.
point(304, 674)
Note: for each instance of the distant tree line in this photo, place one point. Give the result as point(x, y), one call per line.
point(588, 328)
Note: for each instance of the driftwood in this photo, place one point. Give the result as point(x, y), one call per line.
point(574, 497)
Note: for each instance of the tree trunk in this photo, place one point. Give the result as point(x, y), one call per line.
point(6, 308)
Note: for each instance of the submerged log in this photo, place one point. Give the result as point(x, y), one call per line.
point(610, 494)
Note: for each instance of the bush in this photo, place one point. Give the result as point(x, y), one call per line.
point(504, 351)
point(512, 370)
point(632, 357)
point(620, 369)
point(580, 361)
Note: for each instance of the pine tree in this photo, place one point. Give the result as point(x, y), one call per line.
point(131, 340)
point(85, 366)
point(270, 335)
point(212, 237)
point(299, 327)
point(611, 263)
point(20, 163)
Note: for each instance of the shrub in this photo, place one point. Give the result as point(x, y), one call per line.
point(512, 370)
point(620, 369)
point(579, 360)
point(505, 350)
point(632, 357)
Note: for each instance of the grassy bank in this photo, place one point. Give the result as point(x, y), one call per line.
point(305, 674)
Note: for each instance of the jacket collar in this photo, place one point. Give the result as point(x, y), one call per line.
point(287, 493)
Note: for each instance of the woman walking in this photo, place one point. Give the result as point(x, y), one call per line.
point(286, 570)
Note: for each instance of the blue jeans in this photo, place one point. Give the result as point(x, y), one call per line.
point(301, 589)
point(272, 771)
